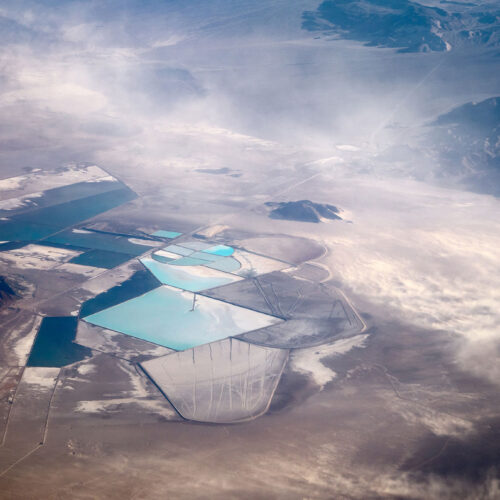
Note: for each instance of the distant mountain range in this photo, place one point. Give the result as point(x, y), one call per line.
point(406, 25)
point(466, 141)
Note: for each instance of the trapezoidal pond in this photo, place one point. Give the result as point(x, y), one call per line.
point(178, 319)
point(222, 382)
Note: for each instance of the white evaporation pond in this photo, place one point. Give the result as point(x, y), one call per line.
point(197, 266)
point(37, 257)
point(223, 382)
point(247, 265)
point(191, 278)
point(253, 264)
point(173, 319)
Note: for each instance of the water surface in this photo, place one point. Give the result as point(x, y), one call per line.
point(54, 344)
point(167, 234)
point(101, 258)
point(140, 282)
point(171, 318)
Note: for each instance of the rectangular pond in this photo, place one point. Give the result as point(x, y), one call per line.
point(101, 241)
point(54, 344)
point(167, 234)
point(41, 222)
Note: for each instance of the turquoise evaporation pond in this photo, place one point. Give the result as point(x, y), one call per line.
point(164, 316)
point(191, 278)
point(166, 234)
point(222, 250)
point(200, 254)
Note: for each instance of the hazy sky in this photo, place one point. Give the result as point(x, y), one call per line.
point(107, 81)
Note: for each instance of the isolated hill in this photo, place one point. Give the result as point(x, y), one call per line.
point(303, 211)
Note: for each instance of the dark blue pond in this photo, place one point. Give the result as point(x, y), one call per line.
point(42, 222)
point(98, 241)
point(62, 194)
point(138, 284)
point(71, 212)
point(54, 344)
point(15, 230)
point(101, 258)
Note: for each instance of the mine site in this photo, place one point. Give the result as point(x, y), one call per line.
point(206, 327)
